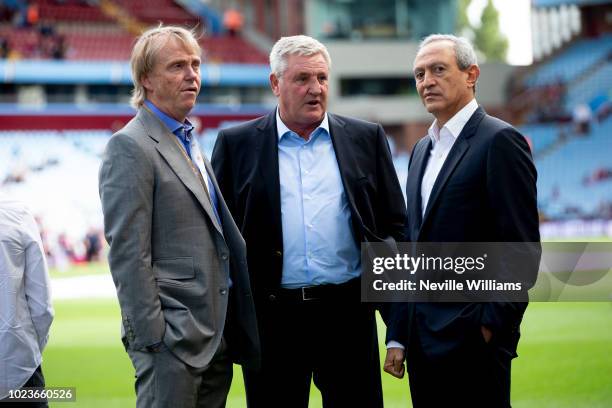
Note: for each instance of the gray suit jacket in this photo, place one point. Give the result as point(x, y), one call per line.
point(169, 257)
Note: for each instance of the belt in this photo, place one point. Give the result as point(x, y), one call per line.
point(327, 292)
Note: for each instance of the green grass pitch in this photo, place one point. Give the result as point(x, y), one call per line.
point(565, 358)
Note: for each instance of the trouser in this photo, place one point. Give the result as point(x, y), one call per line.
point(476, 375)
point(37, 380)
point(164, 381)
point(330, 340)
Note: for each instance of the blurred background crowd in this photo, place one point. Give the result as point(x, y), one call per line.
point(65, 85)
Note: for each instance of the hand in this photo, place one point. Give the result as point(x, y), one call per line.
point(486, 333)
point(394, 362)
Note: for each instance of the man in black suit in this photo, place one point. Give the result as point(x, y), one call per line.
point(472, 179)
point(306, 187)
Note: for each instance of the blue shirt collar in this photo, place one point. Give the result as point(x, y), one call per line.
point(282, 129)
point(172, 124)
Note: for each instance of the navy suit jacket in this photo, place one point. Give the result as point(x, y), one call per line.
point(485, 192)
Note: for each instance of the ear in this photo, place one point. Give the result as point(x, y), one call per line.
point(274, 84)
point(146, 82)
point(473, 72)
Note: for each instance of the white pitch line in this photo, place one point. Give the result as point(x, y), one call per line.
point(80, 287)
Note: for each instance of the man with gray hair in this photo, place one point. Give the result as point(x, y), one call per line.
point(306, 187)
point(471, 179)
point(177, 259)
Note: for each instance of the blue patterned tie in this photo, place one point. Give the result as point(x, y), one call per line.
point(193, 149)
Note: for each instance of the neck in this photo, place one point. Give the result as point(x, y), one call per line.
point(443, 117)
point(174, 115)
point(302, 131)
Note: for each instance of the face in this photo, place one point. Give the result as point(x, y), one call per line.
point(302, 92)
point(442, 86)
point(174, 82)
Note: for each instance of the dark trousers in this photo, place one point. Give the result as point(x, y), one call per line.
point(475, 375)
point(332, 342)
point(36, 380)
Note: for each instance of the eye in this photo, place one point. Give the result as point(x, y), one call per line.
point(323, 79)
point(439, 69)
point(419, 75)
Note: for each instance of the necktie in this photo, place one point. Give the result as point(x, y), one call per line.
point(196, 156)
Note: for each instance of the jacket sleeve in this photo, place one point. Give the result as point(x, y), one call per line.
point(511, 186)
point(223, 172)
point(391, 203)
point(126, 186)
point(37, 283)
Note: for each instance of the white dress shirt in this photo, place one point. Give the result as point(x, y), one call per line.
point(25, 300)
point(442, 140)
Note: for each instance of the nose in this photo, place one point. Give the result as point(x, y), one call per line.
point(428, 80)
point(315, 87)
point(191, 73)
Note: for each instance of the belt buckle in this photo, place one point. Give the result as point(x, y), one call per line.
point(306, 297)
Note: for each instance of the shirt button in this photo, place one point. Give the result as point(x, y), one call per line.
point(224, 257)
point(278, 254)
point(310, 226)
point(223, 291)
point(271, 298)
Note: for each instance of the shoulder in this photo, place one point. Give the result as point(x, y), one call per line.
point(247, 129)
point(353, 123)
point(14, 215)
point(133, 137)
point(501, 136)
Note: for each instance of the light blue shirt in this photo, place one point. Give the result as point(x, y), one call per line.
point(318, 242)
point(182, 131)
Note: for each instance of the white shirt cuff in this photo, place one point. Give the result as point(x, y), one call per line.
point(395, 344)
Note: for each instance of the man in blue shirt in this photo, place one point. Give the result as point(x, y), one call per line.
point(306, 187)
point(177, 259)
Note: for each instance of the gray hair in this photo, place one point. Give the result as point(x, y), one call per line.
point(146, 50)
point(464, 51)
point(295, 45)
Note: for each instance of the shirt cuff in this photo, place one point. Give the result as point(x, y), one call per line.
point(395, 344)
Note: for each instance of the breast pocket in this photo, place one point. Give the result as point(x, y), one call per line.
point(177, 271)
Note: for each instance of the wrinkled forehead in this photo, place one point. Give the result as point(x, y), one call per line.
point(437, 51)
point(302, 62)
point(167, 44)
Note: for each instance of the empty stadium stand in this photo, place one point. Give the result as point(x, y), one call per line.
point(572, 62)
point(89, 33)
point(572, 179)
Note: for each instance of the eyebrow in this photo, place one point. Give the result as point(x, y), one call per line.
point(183, 60)
point(430, 65)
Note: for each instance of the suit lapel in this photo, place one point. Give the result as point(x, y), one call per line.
point(344, 144)
point(169, 149)
point(267, 165)
point(454, 157)
point(418, 164)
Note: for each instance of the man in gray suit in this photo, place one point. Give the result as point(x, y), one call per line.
point(176, 256)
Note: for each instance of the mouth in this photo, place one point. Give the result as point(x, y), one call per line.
point(430, 96)
point(313, 103)
point(191, 89)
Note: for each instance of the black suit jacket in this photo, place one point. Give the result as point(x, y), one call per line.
point(485, 192)
point(245, 161)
